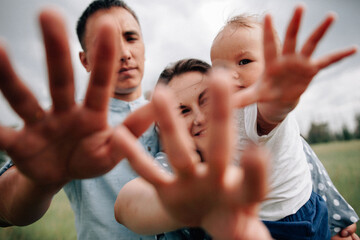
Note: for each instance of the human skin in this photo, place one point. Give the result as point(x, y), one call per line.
point(192, 101)
point(277, 92)
point(70, 140)
point(131, 51)
point(215, 195)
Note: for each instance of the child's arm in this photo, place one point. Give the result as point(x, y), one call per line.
point(214, 194)
point(287, 74)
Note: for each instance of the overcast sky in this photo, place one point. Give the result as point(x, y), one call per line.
point(185, 28)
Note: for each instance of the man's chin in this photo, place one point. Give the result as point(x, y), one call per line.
point(125, 91)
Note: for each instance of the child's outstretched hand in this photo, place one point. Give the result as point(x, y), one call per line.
point(214, 194)
point(288, 73)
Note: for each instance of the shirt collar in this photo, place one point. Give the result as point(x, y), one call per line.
point(120, 105)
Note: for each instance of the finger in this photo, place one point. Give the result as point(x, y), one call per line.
point(175, 137)
point(245, 97)
point(21, 99)
point(103, 72)
point(316, 36)
point(270, 46)
point(335, 57)
point(348, 230)
point(61, 79)
point(254, 161)
point(220, 125)
point(292, 31)
point(355, 236)
point(7, 137)
point(140, 120)
point(126, 143)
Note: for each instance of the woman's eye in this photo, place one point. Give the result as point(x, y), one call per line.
point(244, 61)
point(203, 101)
point(184, 111)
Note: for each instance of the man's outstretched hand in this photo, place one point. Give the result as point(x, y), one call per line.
point(70, 140)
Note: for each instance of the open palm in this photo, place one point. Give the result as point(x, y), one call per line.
point(213, 194)
point(69, 140)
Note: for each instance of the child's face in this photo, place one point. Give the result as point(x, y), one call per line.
point(191, 94)
point(241, 50)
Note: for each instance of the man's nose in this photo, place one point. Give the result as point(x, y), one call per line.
point(124, 52)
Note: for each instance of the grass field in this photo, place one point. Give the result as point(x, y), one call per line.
point(341, 159)
point(57, 224)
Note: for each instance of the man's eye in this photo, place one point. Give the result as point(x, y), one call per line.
point(244, 61)
point(131, 39)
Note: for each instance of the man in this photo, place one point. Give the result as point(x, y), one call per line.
point(70, 142)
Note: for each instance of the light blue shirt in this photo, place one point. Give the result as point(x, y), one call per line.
point(92, 200)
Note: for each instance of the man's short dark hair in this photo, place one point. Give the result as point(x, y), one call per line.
point(94, 7)
point(181, 67)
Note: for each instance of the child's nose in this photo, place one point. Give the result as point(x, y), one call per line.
point(235, 75)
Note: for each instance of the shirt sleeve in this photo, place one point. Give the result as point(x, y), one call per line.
point(6, 166)
point(161, 159)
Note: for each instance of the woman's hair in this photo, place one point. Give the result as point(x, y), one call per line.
point(181, 67)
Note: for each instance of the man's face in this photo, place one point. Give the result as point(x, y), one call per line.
point(192, 100)
point(241, 50)
point(131, 51)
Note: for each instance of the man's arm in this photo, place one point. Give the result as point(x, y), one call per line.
point(22, 200)
point(68, 141)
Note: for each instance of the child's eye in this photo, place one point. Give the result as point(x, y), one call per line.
point(244, 61)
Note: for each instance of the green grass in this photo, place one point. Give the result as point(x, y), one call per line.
point(56, 224)
point(341, 159)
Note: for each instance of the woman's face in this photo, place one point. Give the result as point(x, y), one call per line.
point(192, 98)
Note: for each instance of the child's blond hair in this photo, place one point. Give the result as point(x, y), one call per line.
point(248, 21)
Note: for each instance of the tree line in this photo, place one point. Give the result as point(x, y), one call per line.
point(320, 133)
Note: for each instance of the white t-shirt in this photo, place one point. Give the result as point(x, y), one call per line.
point(289, 178)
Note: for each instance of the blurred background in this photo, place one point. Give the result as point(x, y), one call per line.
point(328, 111)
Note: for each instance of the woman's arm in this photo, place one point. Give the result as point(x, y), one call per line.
point(139, 208)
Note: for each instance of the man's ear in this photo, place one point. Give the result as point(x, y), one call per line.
point(84, 61)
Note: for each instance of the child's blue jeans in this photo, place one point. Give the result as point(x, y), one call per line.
point(310, 222)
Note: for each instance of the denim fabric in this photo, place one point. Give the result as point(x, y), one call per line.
point(309, 223)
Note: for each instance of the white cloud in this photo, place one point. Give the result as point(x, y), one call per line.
point(333, 99)
point(178, 29)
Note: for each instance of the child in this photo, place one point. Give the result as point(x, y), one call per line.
point(243, 33)
point(268, 123)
